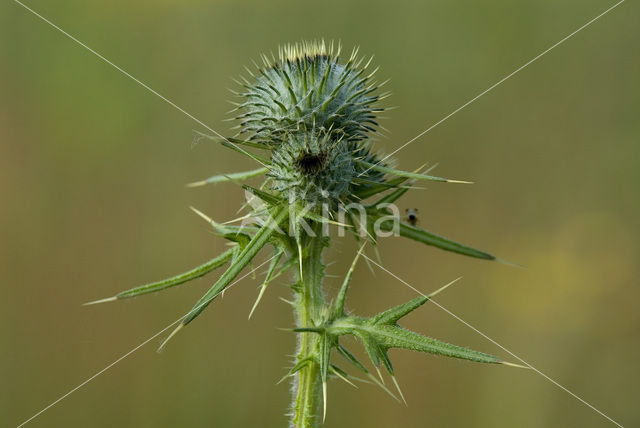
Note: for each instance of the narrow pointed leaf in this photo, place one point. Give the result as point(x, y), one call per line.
point(241, 238)
point(391, 197)
point(407, 174)
point(391, 316)
point(272, 267)
point(325, 352)
point(378, 187)
point(338, 308)
point(429, 238)
point(369, 345)
point(299, 365)
point(224, 229)
point(229, 230)
point(234, 176)
point(398, 337)
point(242, 260)
point(384, 357)
point(265, 196)
point(395, 195)
point(194, 273)
point(318, 330)
point(370, 183)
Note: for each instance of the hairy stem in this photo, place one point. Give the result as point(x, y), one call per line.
point(309, 305)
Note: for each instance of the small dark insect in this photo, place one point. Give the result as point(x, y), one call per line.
point(411, 216)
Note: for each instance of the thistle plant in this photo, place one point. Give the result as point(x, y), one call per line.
point(307, 118)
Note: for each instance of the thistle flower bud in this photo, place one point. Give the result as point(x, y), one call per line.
point(315, 114)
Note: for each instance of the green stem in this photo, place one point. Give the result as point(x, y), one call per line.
point(309, 306)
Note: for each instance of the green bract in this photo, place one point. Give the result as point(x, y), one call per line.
point(306, 89)
point(306, 118)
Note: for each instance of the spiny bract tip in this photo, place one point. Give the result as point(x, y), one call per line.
point(95, 302)
point(173, 333)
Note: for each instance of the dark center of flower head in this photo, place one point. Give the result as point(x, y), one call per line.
point(311, 163)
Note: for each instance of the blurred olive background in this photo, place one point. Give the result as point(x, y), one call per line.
point(92, 201)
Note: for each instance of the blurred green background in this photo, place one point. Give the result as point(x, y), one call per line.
point(92, 201)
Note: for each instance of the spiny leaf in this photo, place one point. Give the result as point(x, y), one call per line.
point(395, 195)
point(391, 316)
point(326, 344)
point(381, 332)
point(397, 337)
point(234, 176)
point(299, 365)
point(377, 338)
point(241, 238)
point(265, 196)
point(391, 197)
point(369, 345)
point(429, 238)
point(245, 256)
point(319, 330)
point(378, 187)
point(406, 174)
point(225, 229)
point(194, 273)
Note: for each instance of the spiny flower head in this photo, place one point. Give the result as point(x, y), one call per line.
point(314, 113)
point(305, 89)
